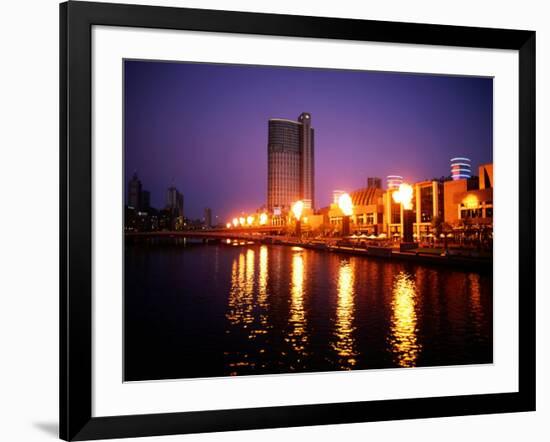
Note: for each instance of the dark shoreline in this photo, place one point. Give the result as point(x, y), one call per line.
point(383, 253)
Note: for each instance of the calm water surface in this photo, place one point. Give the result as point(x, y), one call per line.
point(199, 310)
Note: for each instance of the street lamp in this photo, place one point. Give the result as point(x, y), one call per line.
point(404, 197)
point(297, 209)
point(235, 222)
point(249, 220)
point(242, 220)
point(263, 219)
point(346, 206)
point(228, 225)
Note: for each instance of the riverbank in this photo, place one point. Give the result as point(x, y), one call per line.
point(420, 256)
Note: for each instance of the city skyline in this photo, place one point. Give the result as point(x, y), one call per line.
point(203, 128)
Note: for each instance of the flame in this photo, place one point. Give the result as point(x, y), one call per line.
point(404, 196)
point(297, 208)
point(235, 222)
point(345, 204)
point(263, 219)
point(249, 220)
point(471, 202)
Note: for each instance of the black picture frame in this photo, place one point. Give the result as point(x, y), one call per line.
point(76, 21)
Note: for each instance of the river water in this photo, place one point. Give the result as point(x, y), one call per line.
point(203, 310)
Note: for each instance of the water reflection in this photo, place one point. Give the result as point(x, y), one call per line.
point(298, 334)
point(475, 302)
point(255, 309)
point(345, 316)
point(262, 289)
point(403, 340)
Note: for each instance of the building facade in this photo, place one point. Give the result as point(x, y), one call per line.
point(291, 171)
point(207, 217)
point(134, 192)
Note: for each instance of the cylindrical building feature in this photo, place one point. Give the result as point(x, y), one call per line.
point(394, 181)
point(284, 163)
point(461, 168)
point(290, 162)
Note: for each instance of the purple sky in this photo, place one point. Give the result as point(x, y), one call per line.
point(203, 128)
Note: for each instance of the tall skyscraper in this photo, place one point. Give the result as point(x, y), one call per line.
point(374, 182)
point(174, 201)
point(134, 192)
point(208, 217)
point(461, 168)
point(291, 168)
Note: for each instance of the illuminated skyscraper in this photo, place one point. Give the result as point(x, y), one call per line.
point(461, 168)
point(291, 171)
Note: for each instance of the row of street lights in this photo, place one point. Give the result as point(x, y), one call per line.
point(401, 196)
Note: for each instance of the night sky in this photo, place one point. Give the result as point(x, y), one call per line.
point(203, 128)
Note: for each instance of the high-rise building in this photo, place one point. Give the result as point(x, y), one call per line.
point(374, 183)
point(291, 168)
point(461, 168)
point(208, 217)
point(134, 192)
point(174, 201)
point(394, 181)
point(145, 200)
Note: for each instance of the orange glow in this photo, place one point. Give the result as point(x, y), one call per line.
point(242, 221)
point(404, 196)
point(263, 219)
point(404, 339)
point(249, 220)
point(345, 204)
point(471, 202)
point(235, 222)
point(297, 209)
point(344, 326)
point(228, 225)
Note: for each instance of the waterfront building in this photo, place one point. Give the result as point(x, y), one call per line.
point(291, 171)
point(428, 207)
point(469, 202)
point(461, 168)
point(368, 211)
point(428, 203)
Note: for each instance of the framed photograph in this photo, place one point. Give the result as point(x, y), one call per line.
point(272, 220)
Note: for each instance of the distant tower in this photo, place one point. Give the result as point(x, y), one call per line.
point(290, 150)
point(134, 192)
point(374, 182)
point(174, 201)
point(208, 217)
point(394, 181)
point(461, 168)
